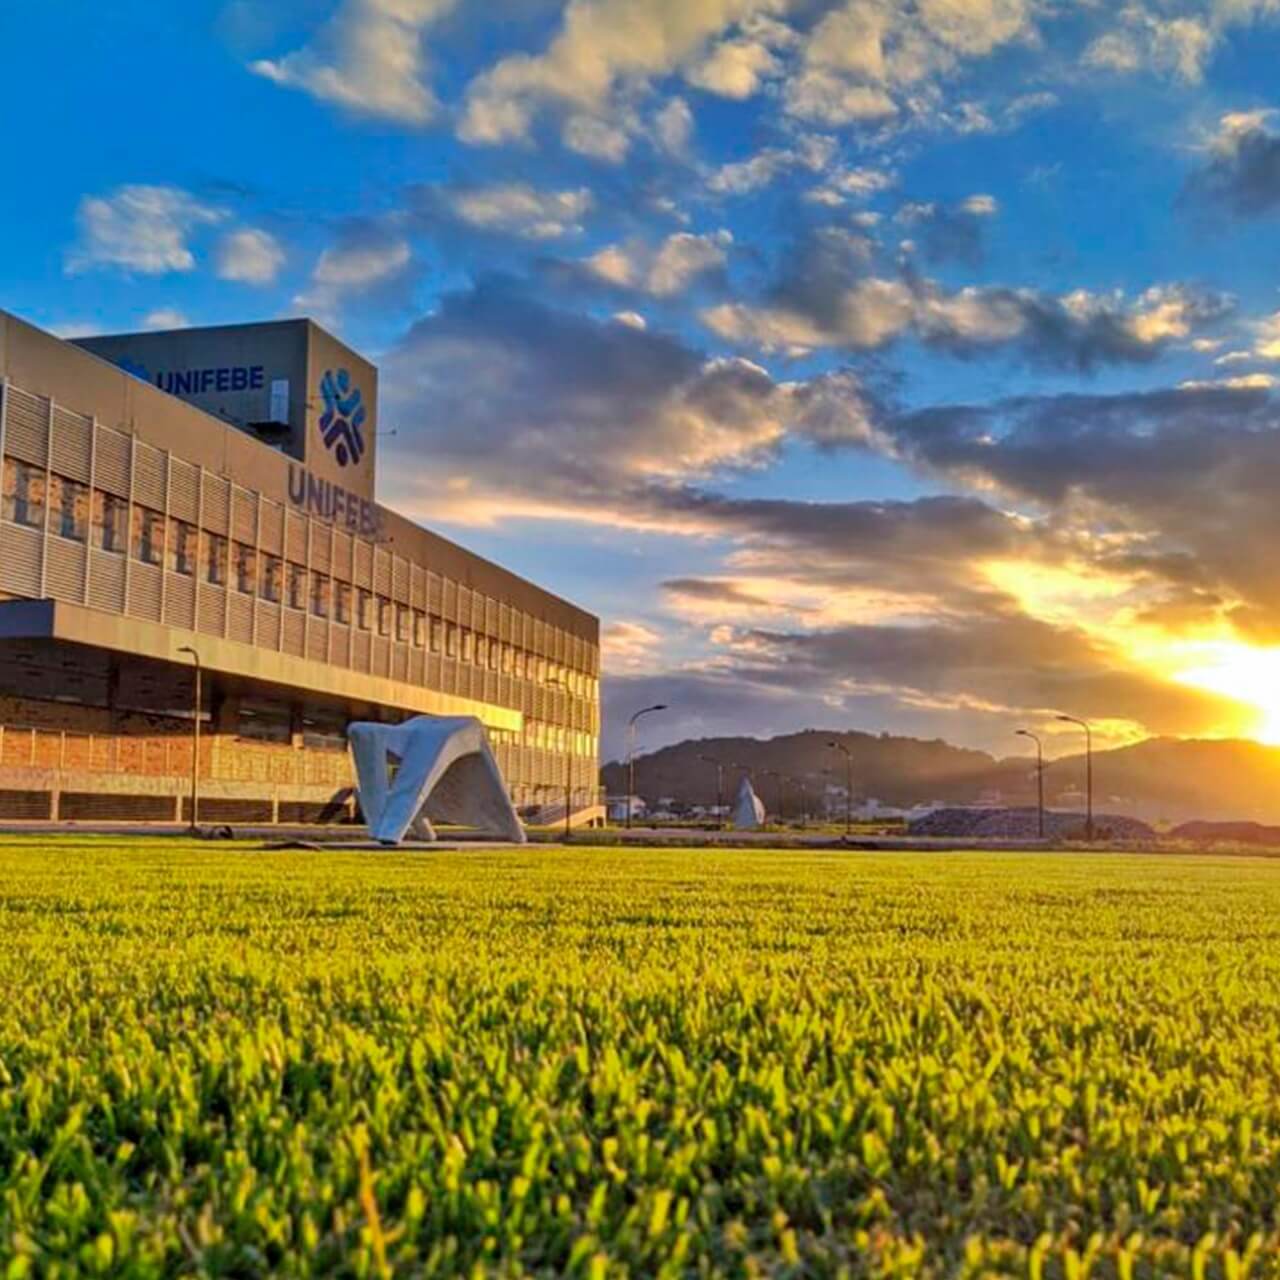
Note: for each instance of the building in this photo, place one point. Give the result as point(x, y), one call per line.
point(213, 490)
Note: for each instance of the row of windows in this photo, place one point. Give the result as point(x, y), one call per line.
point(77, 513)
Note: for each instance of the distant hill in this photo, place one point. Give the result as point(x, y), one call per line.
point(1161, 779)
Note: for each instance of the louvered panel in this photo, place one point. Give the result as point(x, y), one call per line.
point(321, 553)
point(19, 560)
point(435, 594)
point(361, 651)
point(106, 581)
point(434, 676)
point(295, 535)
point(111, 462)
point(271, 535)
point(381, 572)
point(491, 686)
point(244, 511)
point(213, 607)
point(72, 445)
point(418, 587)
point(506, 691)
point(448, 676)
point(381, 655)
point(341, 567)
point(180, 600)
point(64, 574)
point(240, 622)
point(340, 646)
point(526, 699)
point(505, 630)
point(26, 433)
point(417, 666)
point(492, 616)
point(268, 624)
point(184, 490)
point(399, 663)
point(144, 591)
point(399, 578)
point(464, 606)
point(363, 573)
point(295, 627)
point(148, 476)
point(317, 642)
point(217, 504)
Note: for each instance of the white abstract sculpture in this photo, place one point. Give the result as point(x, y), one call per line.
point(446, 771)
point(748, 808)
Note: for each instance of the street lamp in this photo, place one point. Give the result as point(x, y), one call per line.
point(631, 753)
point(195, 742)
point(719, 788)
point(848, 784)
point(1026, 733)
point(1088, 772)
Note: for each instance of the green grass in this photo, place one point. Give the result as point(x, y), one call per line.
point(673, 1062)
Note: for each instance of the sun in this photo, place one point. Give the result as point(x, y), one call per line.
point(1239, 671)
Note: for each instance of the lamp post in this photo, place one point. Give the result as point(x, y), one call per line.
point(631, 753)
point(1026, 733)
point(719, 788)
point(195, 742)
point(1088, 772)
point(848, 783)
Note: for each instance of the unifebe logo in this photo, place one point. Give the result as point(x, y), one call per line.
point(343, 417)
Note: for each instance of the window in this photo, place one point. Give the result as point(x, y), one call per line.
point(468, 646)
point(24, 493)
point(495, 652)
point(297, 587)
point(403, 623)
point(419, 630)
point(319, 595)
point(69, 506)
point(109, 514)
point(269, 578)
point(482, 651)
point(451, 640)
point(506, 660)
point(437, 635)
point(264, 721)
point(324, 730)
point(384, 616)
point(246, 567)
point(364, 616)
point(215, 559)
point(342, 603)
point(148, 536)
point(182, 548)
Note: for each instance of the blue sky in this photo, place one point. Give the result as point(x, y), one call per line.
point(889, 364)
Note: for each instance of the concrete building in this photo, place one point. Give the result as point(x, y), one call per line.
point(213, 489)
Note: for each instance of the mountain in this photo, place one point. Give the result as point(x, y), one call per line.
point(1161, 779)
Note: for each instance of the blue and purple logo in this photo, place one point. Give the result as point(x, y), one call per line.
point(343, 418)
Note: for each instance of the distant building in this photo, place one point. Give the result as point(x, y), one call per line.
point(213, 489)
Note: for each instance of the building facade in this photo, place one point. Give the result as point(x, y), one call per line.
point(209, 495)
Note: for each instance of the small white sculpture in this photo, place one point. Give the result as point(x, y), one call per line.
point(748, 808)
point(446, 771)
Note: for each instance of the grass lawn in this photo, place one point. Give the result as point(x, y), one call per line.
point(609, 1062)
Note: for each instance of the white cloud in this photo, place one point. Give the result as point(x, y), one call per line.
point(632, 319)
point(361, 266)
point(1267, 337)
point(165, 318)
point(980, 206)
point(523, 210)
point(250, 256)
point(139, 228)
point(600, 44)
point(595, 137)
point(665, 271)
point(368, 59)
point(845, 184)
point(674, 125)
point(735, 69)
point(811, 151)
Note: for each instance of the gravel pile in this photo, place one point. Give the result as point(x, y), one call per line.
point(1021, 824)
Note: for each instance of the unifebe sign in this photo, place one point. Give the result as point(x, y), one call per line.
point(342, 422)
point(327, 501)
point(199, 382)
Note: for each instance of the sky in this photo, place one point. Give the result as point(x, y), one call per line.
point(897, 365)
